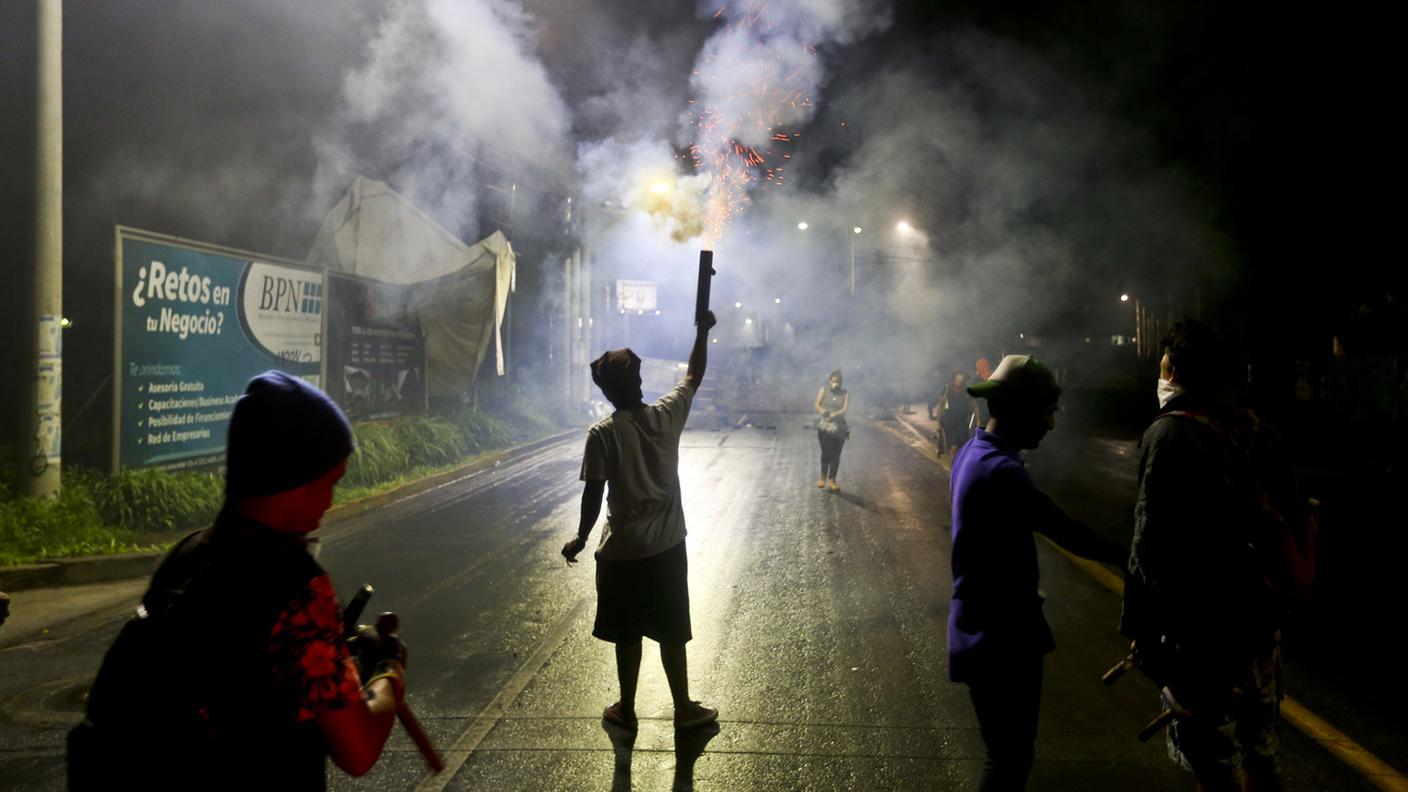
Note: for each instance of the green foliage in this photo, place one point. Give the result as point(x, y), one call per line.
point(33, 530)
point(153, 501)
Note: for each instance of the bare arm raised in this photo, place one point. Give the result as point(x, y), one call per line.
point(699, 355)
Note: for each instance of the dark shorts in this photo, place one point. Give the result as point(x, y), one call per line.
point(644, 597)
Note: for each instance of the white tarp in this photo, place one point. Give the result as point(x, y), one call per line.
point(460, 291)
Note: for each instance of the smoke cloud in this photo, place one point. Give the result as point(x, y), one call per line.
point(450, 97)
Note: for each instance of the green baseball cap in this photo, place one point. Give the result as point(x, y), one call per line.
point(1019, 377)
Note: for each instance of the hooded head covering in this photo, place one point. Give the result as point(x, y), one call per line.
point(617, 373)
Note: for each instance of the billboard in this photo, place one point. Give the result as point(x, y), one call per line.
point(635, 295)
point(194, 323)
point(376, 357)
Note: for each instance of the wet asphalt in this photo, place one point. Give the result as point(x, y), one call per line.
point(819, 634)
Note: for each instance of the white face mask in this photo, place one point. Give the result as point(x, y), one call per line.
point(1168, 391)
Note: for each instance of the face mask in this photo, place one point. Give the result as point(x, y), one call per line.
point(1168, 391)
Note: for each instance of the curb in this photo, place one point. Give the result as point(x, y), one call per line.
point(109, 568)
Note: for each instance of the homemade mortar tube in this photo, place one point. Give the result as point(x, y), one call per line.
point(701, 294)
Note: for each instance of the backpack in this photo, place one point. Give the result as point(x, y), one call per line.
point(1282, 537)
point(160, 713)
point(128, 718)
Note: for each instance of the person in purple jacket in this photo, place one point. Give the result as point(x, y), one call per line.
point(997, 635)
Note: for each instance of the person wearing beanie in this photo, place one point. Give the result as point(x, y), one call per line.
point(997, 635)
point(641, 566)
point(277, 687)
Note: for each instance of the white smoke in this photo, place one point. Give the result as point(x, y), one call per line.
point(450, 99)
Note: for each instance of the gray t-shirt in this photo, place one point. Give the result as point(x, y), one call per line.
point(637, 453)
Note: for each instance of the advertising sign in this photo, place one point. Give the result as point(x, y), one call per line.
point(635, 295)
point(376, 358)
point(195, 323)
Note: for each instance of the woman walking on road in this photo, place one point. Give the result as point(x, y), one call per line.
point(832, 401)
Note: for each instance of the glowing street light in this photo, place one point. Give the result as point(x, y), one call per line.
point(748, 321)
point(777, 301)
point(904, 227)
point(657, 311)
point(802, 226)
point(1124, 298)
point(738, 305)
point(856, 230)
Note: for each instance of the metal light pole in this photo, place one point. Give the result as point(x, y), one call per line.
point(43, 425)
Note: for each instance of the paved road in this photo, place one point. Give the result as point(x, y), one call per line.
point(819, 623)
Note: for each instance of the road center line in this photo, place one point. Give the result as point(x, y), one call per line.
point(1374, 770)
point(464, 747)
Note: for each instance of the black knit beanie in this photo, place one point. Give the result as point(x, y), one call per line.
point(284, 433)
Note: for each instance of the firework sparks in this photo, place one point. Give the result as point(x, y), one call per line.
point(742, 123)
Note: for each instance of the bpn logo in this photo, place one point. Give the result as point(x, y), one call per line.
point(291, 295)
point(312, 298)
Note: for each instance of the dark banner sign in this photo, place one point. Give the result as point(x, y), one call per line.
point(376, 351)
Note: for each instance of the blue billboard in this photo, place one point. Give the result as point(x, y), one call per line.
point(194, 323)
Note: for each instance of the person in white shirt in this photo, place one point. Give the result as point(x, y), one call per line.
point(642, 569)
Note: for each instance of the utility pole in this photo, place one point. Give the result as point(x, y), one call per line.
point(44, 429)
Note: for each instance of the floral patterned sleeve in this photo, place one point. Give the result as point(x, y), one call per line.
point(310, 657)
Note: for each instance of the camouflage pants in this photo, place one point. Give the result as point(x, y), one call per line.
point(1218, 744)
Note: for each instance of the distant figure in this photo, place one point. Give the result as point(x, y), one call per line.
point(4, 607)
point(1203, 600)
point(957, 412)
point(263, 688)
point(982, 370)
point(642, 582)
point(832, 401)
point(997, 635)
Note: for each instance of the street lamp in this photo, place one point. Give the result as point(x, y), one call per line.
point(802, 226)
point(1124, 298)
point(777, 301)
point(904, 227)
point(738, 305)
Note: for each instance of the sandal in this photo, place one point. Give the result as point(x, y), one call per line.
point(614, 716)
point(699, 715)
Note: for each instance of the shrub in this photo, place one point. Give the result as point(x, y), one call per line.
point(33, 530)
point(153, 501)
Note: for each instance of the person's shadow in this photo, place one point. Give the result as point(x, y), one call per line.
point(623, 743)
point(689, 746)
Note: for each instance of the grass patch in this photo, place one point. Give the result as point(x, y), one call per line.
point(140, 510)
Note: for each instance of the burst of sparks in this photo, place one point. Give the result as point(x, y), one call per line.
point(733, 167)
